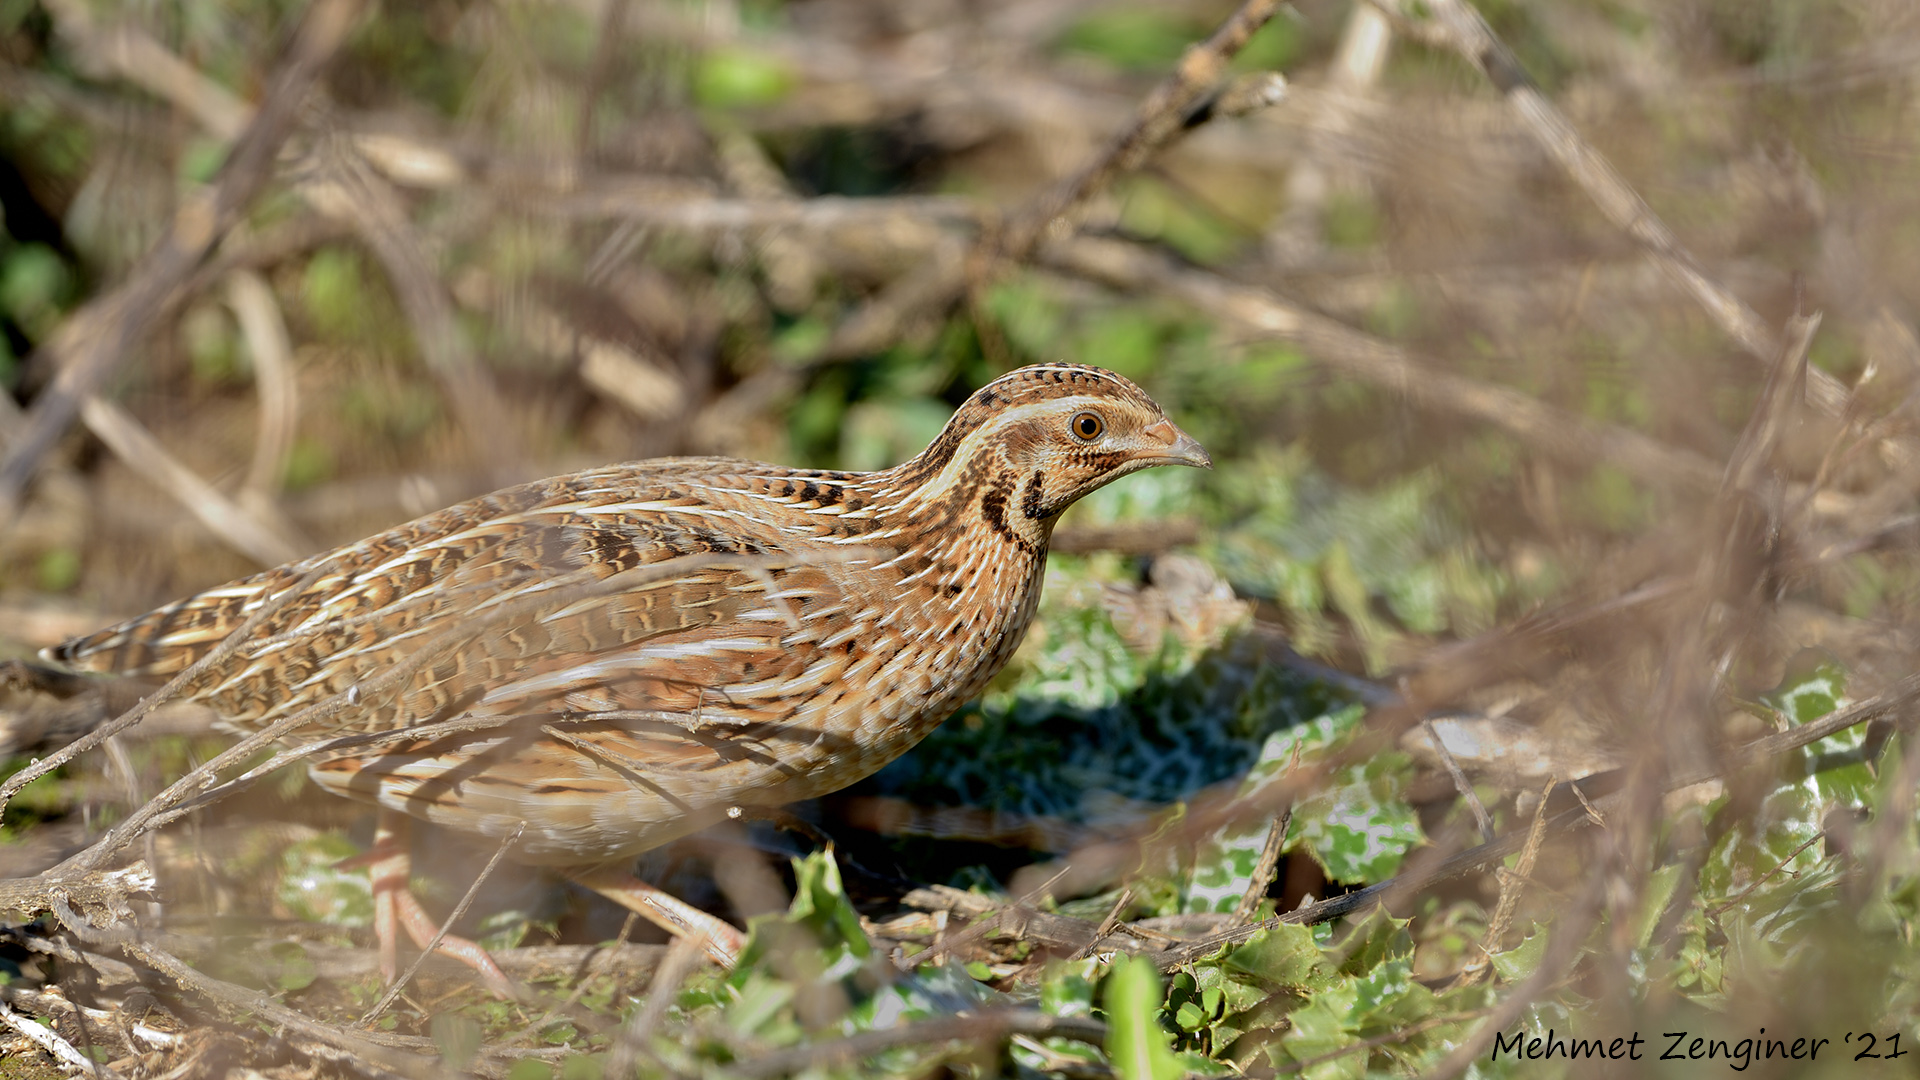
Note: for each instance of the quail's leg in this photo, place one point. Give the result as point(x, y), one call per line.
point(394, 906)
point(668, 912)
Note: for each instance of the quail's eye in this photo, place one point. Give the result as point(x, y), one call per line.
point(1087, 426)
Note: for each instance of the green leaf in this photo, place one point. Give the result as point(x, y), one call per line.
point(1521, 961)
point(297, 970)
point(1223, 864)
point(458, 1039)
point(1136, 1044)
point(760, 1001)
point(1814, 684)
point(738, 78)
point(1377, 938)
point(1284, 954)
point(1320, 1027)
point(530, 1069)
point(1653, 902)
point(1359, 826)
point(820, 901)
point(560, 1035)
point(1387, 996)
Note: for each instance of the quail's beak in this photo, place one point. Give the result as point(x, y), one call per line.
point(1180, 447)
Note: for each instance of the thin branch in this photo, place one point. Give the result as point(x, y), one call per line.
point(1464, 30)
point(1514, 882)
point(683, 956)
point(1480, 816)
point(50, 1041)
point(271, 349)
point(1720, 909)
point(366, 1045)
point(1263, 869)
point(1159, 118)
point(234, 524)
point(1109, 924)
point(985, 924)
point(104, 334)
point(1567, 436)
point(459, 910)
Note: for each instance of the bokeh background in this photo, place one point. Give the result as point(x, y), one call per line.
point(1450, 397)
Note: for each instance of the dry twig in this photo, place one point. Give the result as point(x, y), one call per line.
point(459, 910)
point(1457, 25)
point(50, 1041)
point(99, 338)
point(1564, 435)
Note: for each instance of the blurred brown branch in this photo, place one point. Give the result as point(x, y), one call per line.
point(1569, 437)
point(1457, 25)
point(99, 338)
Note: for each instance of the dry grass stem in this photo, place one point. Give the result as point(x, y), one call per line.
point(683, 956)
point(1482, 819)
point(459, 911)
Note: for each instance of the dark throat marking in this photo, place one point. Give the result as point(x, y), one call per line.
point(993, 508)
point(1031, 505)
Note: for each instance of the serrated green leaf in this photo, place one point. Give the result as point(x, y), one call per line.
point(1286, 955)
point(1376, 938)
point(1223, 864)
point(1320, 1027)
point(1523, 959)
point(1359, 826)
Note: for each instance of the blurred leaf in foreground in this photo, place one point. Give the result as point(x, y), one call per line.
point(1136, 1044)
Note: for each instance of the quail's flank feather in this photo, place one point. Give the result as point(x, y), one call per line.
point(617, 657)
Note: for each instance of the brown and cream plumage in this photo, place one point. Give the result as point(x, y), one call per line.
point(622, 655)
